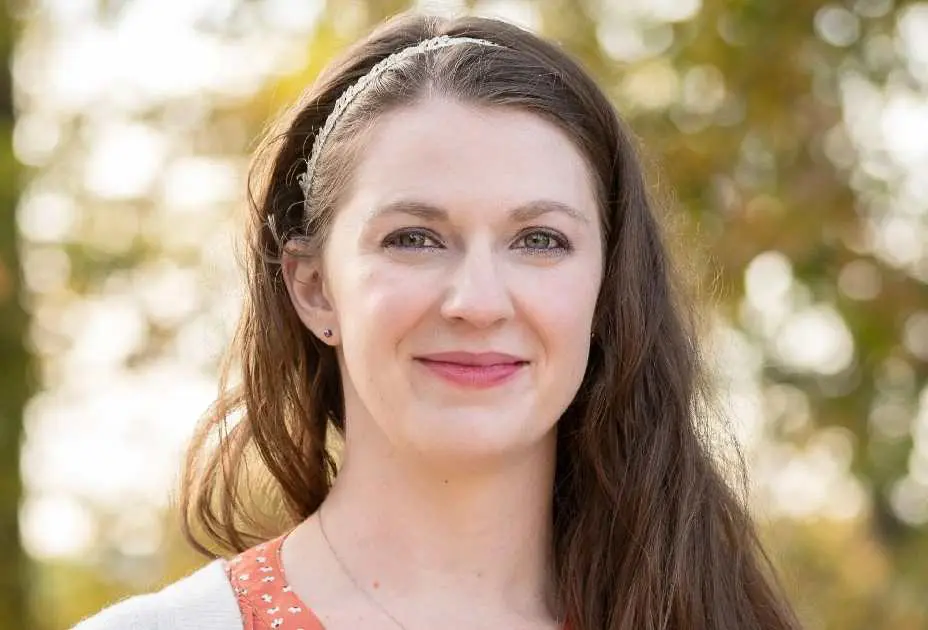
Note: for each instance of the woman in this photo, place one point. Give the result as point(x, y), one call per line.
point(454, 267)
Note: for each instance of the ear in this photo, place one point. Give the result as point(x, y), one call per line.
point(309, 293)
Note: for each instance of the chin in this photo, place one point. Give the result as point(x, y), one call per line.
point(463, 438)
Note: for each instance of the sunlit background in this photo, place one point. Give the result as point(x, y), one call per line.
point(791, 136)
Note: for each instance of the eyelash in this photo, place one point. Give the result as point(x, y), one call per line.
point(562, 244)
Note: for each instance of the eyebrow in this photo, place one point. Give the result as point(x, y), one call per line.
point(522, 213)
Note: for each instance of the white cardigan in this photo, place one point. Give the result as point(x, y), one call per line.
point(203, 600)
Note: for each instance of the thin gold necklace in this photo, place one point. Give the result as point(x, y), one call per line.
point(351, 577)
point(358, 586)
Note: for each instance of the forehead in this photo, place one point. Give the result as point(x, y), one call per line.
point(459, 155)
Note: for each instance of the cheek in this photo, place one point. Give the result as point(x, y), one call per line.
point(562, 303)
point(570, 342)
point(384, 302)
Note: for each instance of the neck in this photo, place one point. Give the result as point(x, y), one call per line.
point(447, 535)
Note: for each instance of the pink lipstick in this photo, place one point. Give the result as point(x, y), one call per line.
point(475, 370)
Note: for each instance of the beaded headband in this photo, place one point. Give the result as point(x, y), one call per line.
point(305, 180)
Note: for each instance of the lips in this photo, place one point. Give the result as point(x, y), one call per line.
point(473, 370)
point(472, 358)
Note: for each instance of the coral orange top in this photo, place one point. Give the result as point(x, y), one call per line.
point(264, 597)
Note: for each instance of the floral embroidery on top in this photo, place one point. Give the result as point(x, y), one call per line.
point(265, 599)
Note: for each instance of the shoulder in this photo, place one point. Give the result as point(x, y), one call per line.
point(138, 612)
point(204, 599)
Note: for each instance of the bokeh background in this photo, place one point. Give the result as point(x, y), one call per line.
point(789, 136)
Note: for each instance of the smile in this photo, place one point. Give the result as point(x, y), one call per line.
point(476, 372)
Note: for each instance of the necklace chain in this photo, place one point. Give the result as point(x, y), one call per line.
point(351, 577)
point(355, 582)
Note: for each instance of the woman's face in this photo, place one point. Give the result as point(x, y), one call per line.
point(459, 280)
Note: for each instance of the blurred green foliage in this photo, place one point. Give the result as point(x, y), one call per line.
point(16, 386)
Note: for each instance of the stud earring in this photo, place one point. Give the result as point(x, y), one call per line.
point(327, 333)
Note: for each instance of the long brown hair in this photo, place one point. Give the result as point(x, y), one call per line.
point(648, 535)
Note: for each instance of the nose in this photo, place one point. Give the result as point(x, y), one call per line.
point(477, 292)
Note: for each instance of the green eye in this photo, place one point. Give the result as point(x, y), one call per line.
point(540, 240)
point(411, 239)
point(544, 242)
